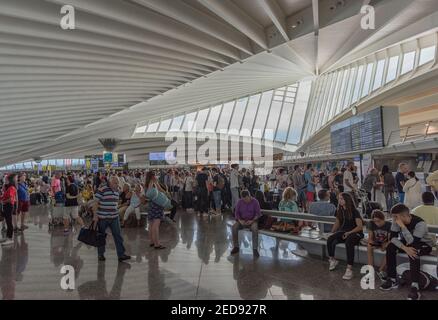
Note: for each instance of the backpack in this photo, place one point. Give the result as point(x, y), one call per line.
point(426, 280)
point(220, 182)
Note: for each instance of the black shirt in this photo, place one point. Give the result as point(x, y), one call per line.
point(347, 224)
point(400, 177)
point(380, 234)
point(72, 190)
point(216, 182)
point(201, 179)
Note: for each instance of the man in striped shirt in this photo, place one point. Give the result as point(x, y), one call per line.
point(107, 216)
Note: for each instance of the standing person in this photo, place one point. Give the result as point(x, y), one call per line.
point(234, 185)
point(414, 241)
point(300, 186)
point(310, 183)
point(400, 180)
point(247, 213)
point(349, 182)
point(202, 191)
point(107, 216)
point(347, 229)
point(333, 186)
point(23, 202)
point(188, 191)
point(71, 210)
point(134, 205)
point(412, 191)
point(370, 182)
point(388, 187)
point(218, 186)
point(379, 231)
point(155, 214)
point(9, 200)
point(56, 188)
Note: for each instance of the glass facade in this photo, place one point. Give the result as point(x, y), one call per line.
point(336, 91)
point(276, 115)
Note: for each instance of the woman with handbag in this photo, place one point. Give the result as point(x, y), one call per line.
point(155, 212)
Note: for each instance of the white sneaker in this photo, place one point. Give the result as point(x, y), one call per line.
point(332, 264)
point(348, 274)
point(8, 242)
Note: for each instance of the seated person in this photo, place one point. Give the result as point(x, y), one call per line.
point(260, 197)
point(288, 204)
point(427, 211)
point(124, 198)
point(415, 242)
point(378, 237)
point(246, 213)
point(322, 208)
point(347, 229)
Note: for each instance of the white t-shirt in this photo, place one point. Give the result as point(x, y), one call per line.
point(234, 179)
point(189, 183)
point(348, 176)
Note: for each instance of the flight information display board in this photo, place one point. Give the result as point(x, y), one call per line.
point(361, 132)
point(161, 158)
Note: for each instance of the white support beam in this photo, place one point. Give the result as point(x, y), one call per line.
point(195, 18)
point(235, 16)
point(276, 15)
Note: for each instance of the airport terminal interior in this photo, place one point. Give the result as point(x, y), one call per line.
point(219, 149)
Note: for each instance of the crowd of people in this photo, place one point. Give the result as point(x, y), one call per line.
point(114, 200)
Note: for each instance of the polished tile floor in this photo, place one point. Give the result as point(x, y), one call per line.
point(195, 265)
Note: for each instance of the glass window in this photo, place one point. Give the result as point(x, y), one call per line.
point(408, 62)
point(153, 127)
point(335, 99)
point(271, 124)
point(357, 84)
point(379, 74)
point(262, 114)
point(427, 55)
point(283, 125)
point(213, 118)
point(330, 97)
point(367, 82)
point(188, 122)
point(227, 112)
point(177, 122)
point(392, 69)
point(341, 99)
point(299, 115)
point(349, 88)
point(250, 114)
point(164, 126)
point(239, 112)
point(141, 129)
point(200, 121)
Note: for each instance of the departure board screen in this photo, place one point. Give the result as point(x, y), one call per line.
point(361, 132)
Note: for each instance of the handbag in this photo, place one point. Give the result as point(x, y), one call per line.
point(92, 236)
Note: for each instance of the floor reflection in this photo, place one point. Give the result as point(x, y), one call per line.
point(195, 265)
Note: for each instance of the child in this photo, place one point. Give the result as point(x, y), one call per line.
point(378, 238)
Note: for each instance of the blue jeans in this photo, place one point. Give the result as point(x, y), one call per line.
point(401, 196)
point(217, 196)
point(114, 225)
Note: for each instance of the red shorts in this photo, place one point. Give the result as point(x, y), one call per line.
point(23, 206)
point(310, 196)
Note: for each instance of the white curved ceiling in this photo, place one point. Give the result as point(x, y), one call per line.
point(130, 60)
